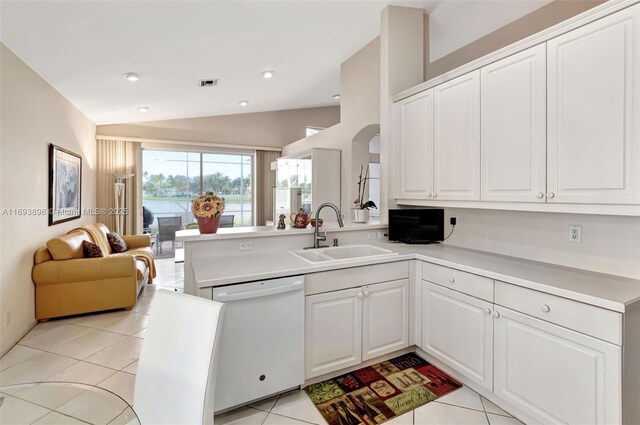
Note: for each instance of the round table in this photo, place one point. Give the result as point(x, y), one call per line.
point(64, 403)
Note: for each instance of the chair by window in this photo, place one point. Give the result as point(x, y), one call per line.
point(167, 228)
point(175, 379)
point(226, 220)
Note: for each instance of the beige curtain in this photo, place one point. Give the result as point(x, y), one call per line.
point(117, 156)
point(265, 182)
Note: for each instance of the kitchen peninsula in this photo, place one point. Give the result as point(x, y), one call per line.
point(469, 312)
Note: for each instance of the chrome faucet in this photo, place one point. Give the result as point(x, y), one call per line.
point(317, 237)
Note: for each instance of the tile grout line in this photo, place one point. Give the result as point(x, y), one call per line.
point(486, 415)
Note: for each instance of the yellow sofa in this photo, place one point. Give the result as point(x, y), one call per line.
point(67, 283)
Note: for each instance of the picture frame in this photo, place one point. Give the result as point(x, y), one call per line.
point(65, 185)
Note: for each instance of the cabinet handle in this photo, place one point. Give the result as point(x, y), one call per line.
point(487, 310)
point(360, 295)
point(545, 308)
point(496, 314)
point(452, 279)
point(540, 195)
point(430, 195)
point(551, 195)
point(435, 194)
point(366, 293)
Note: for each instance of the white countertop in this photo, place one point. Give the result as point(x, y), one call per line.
point(606, 291)
point(269, 231)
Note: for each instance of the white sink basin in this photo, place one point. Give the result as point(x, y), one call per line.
point(341, 253)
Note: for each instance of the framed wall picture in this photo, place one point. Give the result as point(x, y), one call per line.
point(65, 184)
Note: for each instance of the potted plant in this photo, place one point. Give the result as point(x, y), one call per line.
point(361, 209)
point(208, 208)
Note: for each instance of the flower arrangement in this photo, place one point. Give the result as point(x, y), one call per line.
point(362, 185)
point(207, 205)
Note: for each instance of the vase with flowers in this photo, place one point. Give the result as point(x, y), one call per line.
point(361, 208)
point(208, 208)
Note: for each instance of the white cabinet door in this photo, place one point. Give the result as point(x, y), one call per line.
point(556, 375)
point(594, 112)
point(385, 318)
point(333, 337)
point(456, 141)
point(514, 128)
point(415, 134)
point(458, 329)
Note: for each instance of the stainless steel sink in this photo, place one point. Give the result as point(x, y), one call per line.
point(341, 253)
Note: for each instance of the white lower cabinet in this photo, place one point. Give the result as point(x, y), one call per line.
point(385, 313)
point(554, 374)
point(345, 327)
point(333, 334)
point(458, 330)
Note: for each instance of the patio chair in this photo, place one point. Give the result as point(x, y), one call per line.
point(167, 228)
point(226, 220)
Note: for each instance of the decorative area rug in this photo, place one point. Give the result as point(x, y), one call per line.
point(375, 394)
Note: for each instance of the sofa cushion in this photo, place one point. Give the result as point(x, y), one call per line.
point(68, 246)
point(116, 242)
point(91, 250)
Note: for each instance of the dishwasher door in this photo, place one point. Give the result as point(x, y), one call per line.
point(262, 341)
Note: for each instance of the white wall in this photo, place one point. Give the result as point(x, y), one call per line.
point(33, 115)
point(609, 244)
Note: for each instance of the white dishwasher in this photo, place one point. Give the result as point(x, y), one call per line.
point(262, 341)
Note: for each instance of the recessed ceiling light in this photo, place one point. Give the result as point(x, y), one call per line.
point(243, 102)
point(268, 74)
point(143, 109)
point(336, 96)
point(132, 76)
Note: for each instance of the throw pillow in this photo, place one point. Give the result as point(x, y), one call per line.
point(116, 242)
point(91, 250)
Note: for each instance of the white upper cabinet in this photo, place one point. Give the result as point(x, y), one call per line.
point(593, 111)
point(414, 121)
point(513, 135)
point(456, 141)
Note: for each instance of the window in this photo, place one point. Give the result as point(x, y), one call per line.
point(313, 130)
point(172, 179)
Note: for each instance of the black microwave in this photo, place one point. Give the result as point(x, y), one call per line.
point(417, 226)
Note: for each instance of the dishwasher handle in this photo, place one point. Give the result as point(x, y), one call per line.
point(223, 298)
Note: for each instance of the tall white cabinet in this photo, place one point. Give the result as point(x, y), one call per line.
point(456, 138)
point(594, 112)
point(514, 125)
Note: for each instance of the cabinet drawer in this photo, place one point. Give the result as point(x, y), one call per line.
point(585, 318)
point(467, 283)
point(335, 280)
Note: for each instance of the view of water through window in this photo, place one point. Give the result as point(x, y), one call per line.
point(172, 179)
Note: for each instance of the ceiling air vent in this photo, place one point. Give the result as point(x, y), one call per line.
point(209, 83)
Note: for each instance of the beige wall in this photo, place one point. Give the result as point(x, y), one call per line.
point(270, 129)
point(33, 115)
point(543, 18)
point(359, 103)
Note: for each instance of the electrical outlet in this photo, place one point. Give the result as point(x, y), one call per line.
point(453, 221)
point(8, 319)
point(575, 233)
point(244, 246)
point(381, 235)
point(372, 235)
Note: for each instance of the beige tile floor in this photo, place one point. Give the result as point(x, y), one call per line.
point(103, 350)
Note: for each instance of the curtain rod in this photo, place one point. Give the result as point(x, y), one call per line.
point(185, 142)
